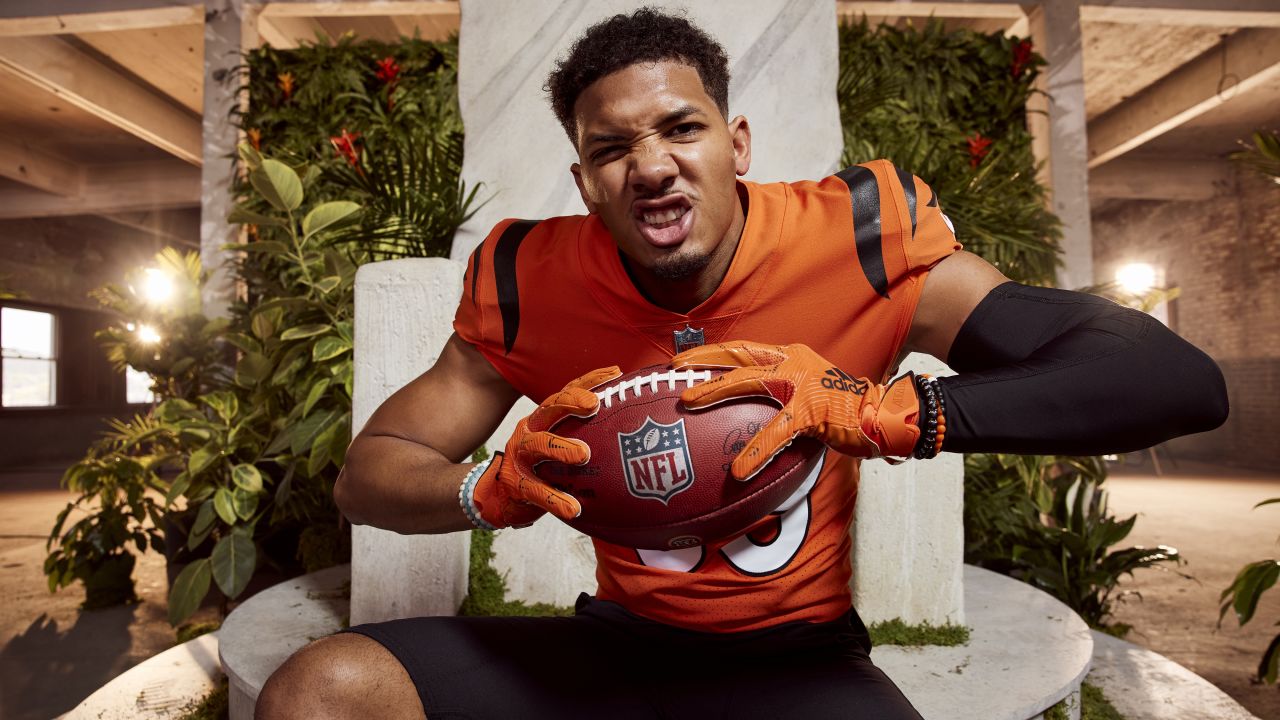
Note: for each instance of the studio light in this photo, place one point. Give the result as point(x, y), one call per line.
point(158, 287)
point(1136, 278)
point(148, 335)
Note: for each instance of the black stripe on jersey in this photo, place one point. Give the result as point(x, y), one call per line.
point(933, 201)
point(475, 272)
point(864, 194)
point(909, 187)
point(504, 277)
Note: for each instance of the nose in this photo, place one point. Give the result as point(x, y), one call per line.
point(654, 170)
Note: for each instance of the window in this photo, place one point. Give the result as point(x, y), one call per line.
point(138, 387)
point(29, 372)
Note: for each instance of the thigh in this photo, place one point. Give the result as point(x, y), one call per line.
point(846, 686)
point(492, 667)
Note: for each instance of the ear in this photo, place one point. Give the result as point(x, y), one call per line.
point(576, 169)
point(740, 134)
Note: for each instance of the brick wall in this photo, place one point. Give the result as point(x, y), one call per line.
point(1224, 254)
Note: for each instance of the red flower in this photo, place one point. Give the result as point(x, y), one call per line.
point(978, 148)
point(388, 70)
point(255, 137)
point(1021, 58)
point(286, 83)
point(345, 147)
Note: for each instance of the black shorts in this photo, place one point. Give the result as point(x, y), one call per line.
point(605, 662)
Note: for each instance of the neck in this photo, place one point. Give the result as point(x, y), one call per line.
point(683, 295)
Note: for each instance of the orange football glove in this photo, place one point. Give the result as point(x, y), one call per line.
point(504, 491)
point(851, 415)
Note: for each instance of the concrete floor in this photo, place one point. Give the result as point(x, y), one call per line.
point(52, 655)
point(1206, 513)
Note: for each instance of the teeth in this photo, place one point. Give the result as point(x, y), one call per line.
point(664, 216)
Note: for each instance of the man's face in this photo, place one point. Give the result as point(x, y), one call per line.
point(658, 163)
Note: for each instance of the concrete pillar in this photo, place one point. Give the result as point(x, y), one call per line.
point(225, 35)
point(1061, 137)
point(404, 311)
point(908, 534)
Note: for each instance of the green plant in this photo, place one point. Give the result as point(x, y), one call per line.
point(1263, 155)
point(94, 549)
point(278, 411)
point(1059, 536)
point(951, 107)
point(1243, 595)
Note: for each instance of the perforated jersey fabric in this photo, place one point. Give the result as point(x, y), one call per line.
point(836, 264)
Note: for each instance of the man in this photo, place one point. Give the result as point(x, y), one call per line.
point(787, 283)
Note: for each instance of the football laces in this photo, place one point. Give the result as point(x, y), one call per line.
point(636, 386)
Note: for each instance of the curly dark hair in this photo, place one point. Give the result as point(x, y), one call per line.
point(646, 35)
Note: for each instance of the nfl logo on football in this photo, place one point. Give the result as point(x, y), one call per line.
point(656, 460)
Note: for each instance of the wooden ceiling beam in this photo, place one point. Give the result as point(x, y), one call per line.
point(38, 169)
point(361, 8)
point(139, 19)
point(1252, 58)
point(285, 32)
point(59, 68)
point(1180, 16)
point(180, 227)
point(1143, 178)
point(110, 189)
point(977, 10)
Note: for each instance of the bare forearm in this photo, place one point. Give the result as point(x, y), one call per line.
point(402, 486)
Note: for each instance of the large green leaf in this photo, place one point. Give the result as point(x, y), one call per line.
point(222, 402)
point(224, 506)
point(201, 459)
point(247, 477)
point(304, 331)
point(278, 184)
point(329, 347)
point(202, 526)
point(177, 488)
point(327, 214)
point(233, 561)
point(189, 588)
point(314, 395)
point(244, 502)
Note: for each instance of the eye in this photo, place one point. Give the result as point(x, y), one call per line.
point(606, 154)
point(685, 129)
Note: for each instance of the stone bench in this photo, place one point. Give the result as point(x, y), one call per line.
point(1027, 650)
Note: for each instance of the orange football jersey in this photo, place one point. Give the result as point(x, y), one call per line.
point(837, 265)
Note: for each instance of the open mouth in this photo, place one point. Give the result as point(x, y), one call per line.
point(664, 222)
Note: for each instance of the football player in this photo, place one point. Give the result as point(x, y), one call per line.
point(790, 285)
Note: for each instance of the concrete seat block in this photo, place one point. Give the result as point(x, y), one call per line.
point(1026, 652)
point(1144, 685)
point(164, 686)
point(259, 635)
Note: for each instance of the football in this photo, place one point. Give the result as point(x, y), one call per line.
point(659, 476)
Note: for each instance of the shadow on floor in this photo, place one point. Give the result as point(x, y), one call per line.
point(45, 672)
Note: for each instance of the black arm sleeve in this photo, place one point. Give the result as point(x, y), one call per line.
point(1044, 371)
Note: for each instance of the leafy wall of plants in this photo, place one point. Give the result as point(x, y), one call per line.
point(363, 149)
point(951, 108)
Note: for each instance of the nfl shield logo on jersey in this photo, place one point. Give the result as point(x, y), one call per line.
point(656, 460)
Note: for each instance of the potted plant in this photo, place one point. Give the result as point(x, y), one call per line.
point(96, 548)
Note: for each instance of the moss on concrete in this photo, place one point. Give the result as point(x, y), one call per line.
point(214, 706)
point(1093, 706)
point(487, 591)
point(192, 630)
point(897, 632)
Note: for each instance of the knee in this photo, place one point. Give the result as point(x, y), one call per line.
point(326, 679)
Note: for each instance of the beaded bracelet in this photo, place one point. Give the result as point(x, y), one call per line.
point(933, 423)
point(466, 494)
